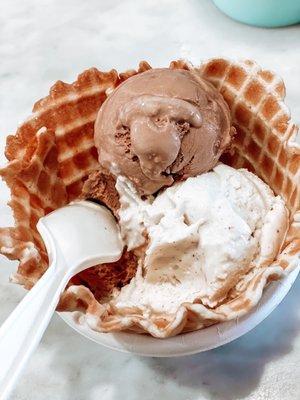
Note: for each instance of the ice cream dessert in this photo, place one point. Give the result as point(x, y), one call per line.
point(203, 236)
point(160, 126)
point(157, 127)
point(194, 240)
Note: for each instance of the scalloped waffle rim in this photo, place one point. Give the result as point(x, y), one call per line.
point(53, 152)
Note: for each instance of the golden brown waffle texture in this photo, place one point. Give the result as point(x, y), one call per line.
point(53, 153)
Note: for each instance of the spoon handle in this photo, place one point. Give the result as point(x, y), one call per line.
point(23, 329)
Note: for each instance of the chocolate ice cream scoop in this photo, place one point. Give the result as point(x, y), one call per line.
point(160, 126)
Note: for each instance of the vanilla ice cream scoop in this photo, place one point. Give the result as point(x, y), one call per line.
point(160, 126)
point(202, 238)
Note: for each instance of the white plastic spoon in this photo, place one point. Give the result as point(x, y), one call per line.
point(77, 237)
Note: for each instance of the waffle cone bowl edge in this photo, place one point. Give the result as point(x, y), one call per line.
point(52, 154)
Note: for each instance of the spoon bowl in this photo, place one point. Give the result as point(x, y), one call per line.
point(84, 232)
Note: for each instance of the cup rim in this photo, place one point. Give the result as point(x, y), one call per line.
point(192, 342)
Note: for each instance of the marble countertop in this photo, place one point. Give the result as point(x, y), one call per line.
point(41, 42)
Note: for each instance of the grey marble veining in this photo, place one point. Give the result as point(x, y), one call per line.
point(41, 42)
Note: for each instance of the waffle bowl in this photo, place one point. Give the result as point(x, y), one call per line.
point(52, 154)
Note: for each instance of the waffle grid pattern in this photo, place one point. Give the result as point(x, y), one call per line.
point(52, 153)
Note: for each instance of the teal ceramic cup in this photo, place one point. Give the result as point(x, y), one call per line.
point(265, 13)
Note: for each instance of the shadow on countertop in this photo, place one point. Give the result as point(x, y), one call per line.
point(234, 370)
